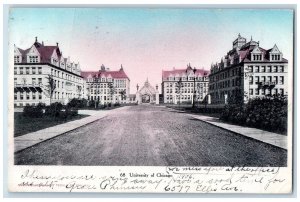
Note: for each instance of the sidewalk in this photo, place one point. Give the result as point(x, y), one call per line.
point(30, 139)
point(257, 134)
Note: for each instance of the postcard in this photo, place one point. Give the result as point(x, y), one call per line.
point(150, 100)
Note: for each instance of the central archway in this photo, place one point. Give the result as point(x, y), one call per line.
point(146, 98)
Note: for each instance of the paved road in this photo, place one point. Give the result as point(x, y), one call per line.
point(151, 136)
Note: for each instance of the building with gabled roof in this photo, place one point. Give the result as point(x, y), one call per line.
point(105, 86)
point(32, 68)
point(248, 71)
point(178, 85)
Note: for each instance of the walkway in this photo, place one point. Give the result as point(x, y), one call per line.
point(30, 139)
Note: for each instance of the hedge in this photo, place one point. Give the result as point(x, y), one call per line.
point(268, 113)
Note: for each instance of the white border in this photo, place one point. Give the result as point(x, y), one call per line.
point(146, 2)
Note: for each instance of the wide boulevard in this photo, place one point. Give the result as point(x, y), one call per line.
point(147, 135)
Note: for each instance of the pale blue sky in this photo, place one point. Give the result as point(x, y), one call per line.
point(146, 41)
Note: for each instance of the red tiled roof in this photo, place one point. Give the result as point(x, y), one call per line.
point(114, 74)
point(166, 74)
point(46, 52)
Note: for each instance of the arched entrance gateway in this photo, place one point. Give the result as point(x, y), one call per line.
point(147, 94)
point(146, 98)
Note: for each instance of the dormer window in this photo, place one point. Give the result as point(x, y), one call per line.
point(275, 57)
point(33, 59)
point(257, 57)
point(17, 59)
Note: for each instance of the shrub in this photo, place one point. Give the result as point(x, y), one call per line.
point(109, 104)
point(33, 112)
point(54, 109)
point(78, 103)
point(269, 113)
point(91, 104)
point(116, 104)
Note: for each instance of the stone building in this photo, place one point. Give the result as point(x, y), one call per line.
point(147, 94)
point(248, 71)
point(32, 69)
point(106, 86)
point(180, 85)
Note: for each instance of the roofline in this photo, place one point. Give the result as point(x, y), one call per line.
point(51, 65)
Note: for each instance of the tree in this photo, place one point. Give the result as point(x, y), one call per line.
point(179, 86)
point(123, 94)
point(111, 90)
point(79, 90)
point(50, 87)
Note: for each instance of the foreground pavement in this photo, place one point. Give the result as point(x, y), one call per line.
point(30, 139)
point(151, 136)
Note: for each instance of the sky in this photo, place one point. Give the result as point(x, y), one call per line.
point(148, 40)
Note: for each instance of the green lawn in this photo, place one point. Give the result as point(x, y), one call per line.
point(24, 125)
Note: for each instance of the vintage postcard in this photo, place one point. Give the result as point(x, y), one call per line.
point(150, 100)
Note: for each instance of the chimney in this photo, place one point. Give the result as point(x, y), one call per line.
point(43, 43)
point(57, 44)
point(36, 39)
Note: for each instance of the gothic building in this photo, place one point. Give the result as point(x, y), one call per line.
point(32, 69)
point(248, 71)
point(106, 86)
point(178, 85)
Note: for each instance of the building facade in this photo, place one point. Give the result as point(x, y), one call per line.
point(106, 86)
point(248, 71)
point(147, 94)
point(180, 85)
point(36, 66)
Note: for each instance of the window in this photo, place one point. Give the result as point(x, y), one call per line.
point(40, 95)
point(263, 79)
point(250, 69)
point(33, 70)
point(281, 80)
point(275, 80)
point(15, 96)
point(15, 70)
point(281, 69)
point(15, 80)
point(33, 59)
point(27, 70)
point(269, 79)
point(256, 91)
point(275, 69)
point(275, 91)
point(263, 91)
point(21, 96)
point(256, 79)
point(17, 59)
point(251, 80)
point(40, 80)
point(33, 96)
point(281, 91)
point(263, 68)
point(39, 70)
point(21, 70)
point(33, 80)
point(268, 68)
point(27, 96)
point(257, 69)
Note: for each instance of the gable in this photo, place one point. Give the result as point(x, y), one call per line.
point(54, 55)
point(33, 51)
point(17, 51)
point(256, 50)
point(275, 49)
